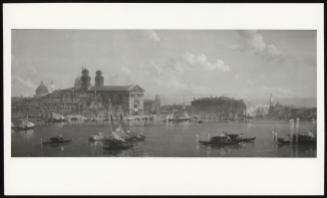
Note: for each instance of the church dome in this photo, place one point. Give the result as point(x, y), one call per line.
point(41, 90)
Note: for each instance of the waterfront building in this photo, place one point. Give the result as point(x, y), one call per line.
point(98, 101)
point(218, 108)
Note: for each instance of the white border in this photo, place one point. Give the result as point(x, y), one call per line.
point(227, 176)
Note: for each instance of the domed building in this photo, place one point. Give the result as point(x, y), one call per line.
point(98, 100)
point(41, 90)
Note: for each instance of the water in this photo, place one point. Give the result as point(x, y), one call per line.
point(162, 140)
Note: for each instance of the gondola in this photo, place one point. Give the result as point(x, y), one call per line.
point(219, 141)
point(239, 137)
point(227, 139)
point(56, 140)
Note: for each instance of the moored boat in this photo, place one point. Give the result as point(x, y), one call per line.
point(227, 139)
point(301, 139)
point(56, 140)
point(240, 137)
point(25, 124)
point(218, 141)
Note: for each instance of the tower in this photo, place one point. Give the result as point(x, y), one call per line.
point(98, 79)
point(86, 80)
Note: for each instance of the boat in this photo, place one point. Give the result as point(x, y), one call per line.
point(74, 119)
point(220, 140)
point(98, 137)
point(119, 138)
point(283, 140)
point(56, 117)
point(56, 140)
point(129, 135)
point(240, 137)
point(135, 137)
point(227, 139)
point(114, 144)
point(25, 124)
point(301, 138)
point(200, 121)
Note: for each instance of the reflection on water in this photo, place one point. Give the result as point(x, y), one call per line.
point(25, 134)
point(163, 140)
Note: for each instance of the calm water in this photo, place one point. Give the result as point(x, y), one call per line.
point(162, 140)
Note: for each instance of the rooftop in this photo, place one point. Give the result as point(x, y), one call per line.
point(117, 88)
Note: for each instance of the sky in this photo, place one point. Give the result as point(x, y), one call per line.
point(178, 65)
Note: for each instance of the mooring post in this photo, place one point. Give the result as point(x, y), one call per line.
point(297, 130)
point(291, 130)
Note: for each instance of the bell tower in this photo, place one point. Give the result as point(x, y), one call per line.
point(98, 79)
point(85, 80)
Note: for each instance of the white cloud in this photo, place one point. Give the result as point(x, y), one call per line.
point(251, 40)
point(152, 35)
point(200, 60)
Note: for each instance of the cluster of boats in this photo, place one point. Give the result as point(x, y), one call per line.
point(226, 139)
point(118, 139)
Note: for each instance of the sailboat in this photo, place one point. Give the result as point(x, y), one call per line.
point(117, 141)
point(100, 136)
point(25, 124)
point(129, 135)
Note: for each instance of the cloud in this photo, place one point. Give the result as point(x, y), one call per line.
point(200, 60)
point(152, 35)
point(251, 40)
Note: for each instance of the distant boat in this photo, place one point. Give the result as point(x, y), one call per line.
point(99, 137)
point(56, 117)
point(118, 139)
point(200, 121)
